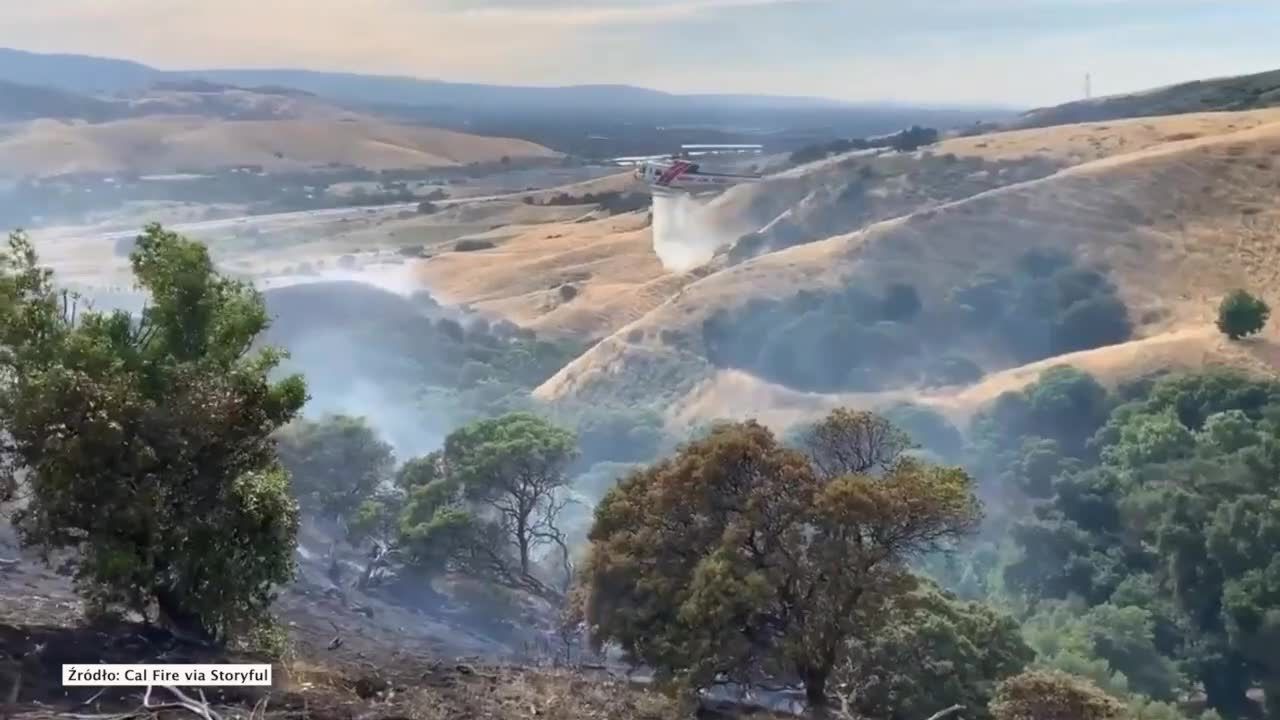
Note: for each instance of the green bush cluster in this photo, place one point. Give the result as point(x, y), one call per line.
point(855, 339)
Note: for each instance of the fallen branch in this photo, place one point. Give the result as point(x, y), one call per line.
point(95, 697)
point(259, 711)
point(945, 712)
point(198, 707)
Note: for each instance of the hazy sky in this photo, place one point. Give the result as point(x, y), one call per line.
point(1015, 52)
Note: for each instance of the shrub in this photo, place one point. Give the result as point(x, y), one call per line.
point(1242, 314)
point(1044, 262)
point(953, 370)
point(901, 303)
point(929, 429)
point(473, 245)
point(1052, 695)
point(451, 329)
point(1096, 322)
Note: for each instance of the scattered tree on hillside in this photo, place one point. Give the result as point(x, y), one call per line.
point(1242, 314)
point(337, 463)
point(901, 303)
point(849, 442)
point(853, 339)
point(145, 441)
point(491, 501)
point(740, 560)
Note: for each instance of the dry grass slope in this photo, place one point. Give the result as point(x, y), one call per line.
point(1178, 221)
point(162, 144)
point(607, 264)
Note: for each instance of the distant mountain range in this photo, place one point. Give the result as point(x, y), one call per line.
point(102, 76)
point(19, 101)
point(594, 121)
point(76, 73)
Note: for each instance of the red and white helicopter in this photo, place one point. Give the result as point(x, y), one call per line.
point(674, 174)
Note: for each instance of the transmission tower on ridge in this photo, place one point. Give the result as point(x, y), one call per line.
point(1088, 86)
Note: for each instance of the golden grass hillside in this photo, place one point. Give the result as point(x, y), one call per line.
point(163, 144)
point(1086, 142)
point(617, 278)
point(572, 278)
point(1178, 222)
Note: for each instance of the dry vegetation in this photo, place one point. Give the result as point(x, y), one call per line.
point(375, 672)
point(158, 144)
point(313, 688)
point(1177, 209)
point(1086, 142)
point(607, 262)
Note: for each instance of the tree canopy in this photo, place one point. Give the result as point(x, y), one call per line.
point(744, 560)
point(1168, 535)
point(147, 440)
point(1242, 314)
point(490, 502)
point(337, 463)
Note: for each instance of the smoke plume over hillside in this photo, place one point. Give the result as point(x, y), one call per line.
point(685, 234)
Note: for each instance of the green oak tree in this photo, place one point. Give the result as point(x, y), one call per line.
point(145, 441)
point(337, 463)
point(489, 504)
point(1241, 314)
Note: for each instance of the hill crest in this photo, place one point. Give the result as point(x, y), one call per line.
point(1175, 225)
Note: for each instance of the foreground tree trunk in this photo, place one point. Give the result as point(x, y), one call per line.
point(183, 624)
point(815, 693)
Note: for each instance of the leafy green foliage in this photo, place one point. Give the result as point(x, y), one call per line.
point(1064, 405)
point(337, 463)
point(490, 502)
point(926, 651)
point(930, 430)
point(1049, 308)
point(1112, 645)
point(952, 370)
point(1168, 534)
point(147, 441)
point(1242, 314)
point(742, 558)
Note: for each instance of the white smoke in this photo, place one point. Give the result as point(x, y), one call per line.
point(685, 233)
point(394, 278)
